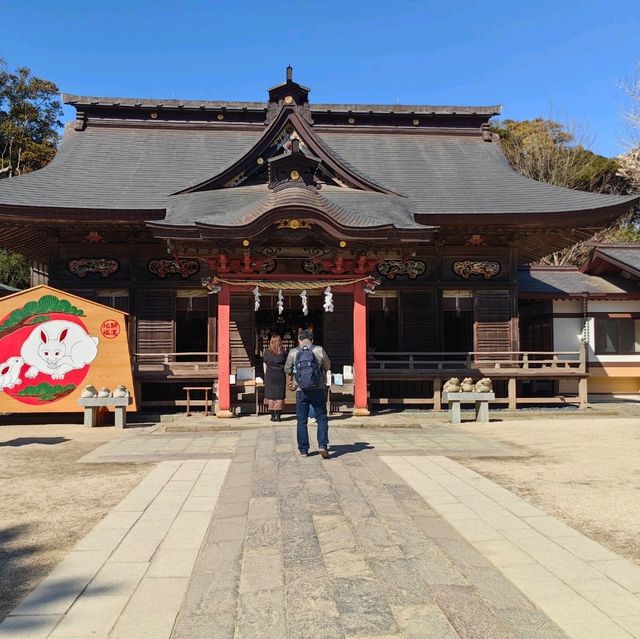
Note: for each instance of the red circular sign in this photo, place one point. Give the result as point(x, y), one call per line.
point(110, 329)
point(29, 384)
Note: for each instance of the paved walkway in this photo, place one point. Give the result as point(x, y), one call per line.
point(233, 534)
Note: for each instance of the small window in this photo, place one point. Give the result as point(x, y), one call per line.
point(614, 335)
point(116, 298)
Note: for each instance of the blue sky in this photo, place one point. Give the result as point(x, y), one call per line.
point(537, 58)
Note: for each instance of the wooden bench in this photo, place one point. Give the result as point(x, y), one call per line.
point(91, 406)
point(205, 390)
point(481, 400)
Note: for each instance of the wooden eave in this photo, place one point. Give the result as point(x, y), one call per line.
point(199, 230)
point(558, 219)
point(598, 263)
point(579, 296)
point(19, 213)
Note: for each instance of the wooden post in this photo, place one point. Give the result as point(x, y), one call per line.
point(437, 394)
point(511, 393)
point(583, 394)
point(361, 400)
point(224, 353)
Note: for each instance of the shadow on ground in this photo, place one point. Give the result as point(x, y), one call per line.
point(344, 449)
point(27, 441)
point(16, 568)
point(20, 572)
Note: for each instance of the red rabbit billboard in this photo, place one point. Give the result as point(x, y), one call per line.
point(52, 344)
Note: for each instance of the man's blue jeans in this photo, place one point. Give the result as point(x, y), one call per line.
point(304, 400)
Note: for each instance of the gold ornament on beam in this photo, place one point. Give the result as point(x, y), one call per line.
point(294, 223)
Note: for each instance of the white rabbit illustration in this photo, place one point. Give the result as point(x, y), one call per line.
point(57, 347)
point(10, 371)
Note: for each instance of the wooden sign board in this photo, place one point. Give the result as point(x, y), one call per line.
point(53, 344)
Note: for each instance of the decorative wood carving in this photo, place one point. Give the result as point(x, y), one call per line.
point(294, 224)
point(480, 268)
point(475, 240)
point(339, 265)
point(392, 268)
point(83, 266)
point(223, 264)
point(184, 268)
point(93, 237)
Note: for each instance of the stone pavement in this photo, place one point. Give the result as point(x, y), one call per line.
point(233, 534)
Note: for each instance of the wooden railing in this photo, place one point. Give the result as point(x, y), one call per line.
point(432, 362)
point(510, 367)
point(176, 363)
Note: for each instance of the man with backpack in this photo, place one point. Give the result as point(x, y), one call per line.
point(307, 365)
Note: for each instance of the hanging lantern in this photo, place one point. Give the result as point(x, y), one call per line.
point(305, 307)
point(256, 298)
point(328, 300)
point(280, 303)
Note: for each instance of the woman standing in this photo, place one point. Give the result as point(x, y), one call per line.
point(274, 378)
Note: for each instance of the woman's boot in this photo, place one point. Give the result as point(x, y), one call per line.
point(273, 415)
point(278, 413)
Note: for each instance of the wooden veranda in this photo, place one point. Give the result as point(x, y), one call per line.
point(433, 367)
point(511, 367)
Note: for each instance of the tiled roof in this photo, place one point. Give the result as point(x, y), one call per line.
point(623, 255)
point(241, 206)
point(139, 167)
point(568, 281)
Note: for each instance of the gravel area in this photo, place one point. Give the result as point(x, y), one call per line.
point(583, 471)
point(48, 501)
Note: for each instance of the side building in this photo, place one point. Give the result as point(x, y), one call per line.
point(214, 224)
point(597, 304)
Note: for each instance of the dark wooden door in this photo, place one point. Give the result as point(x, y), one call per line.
point(418, 323)
point(155, 319)
point(494, 321)
point(338, 332)
point(243, 331)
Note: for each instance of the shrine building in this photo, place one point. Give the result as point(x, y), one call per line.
point(395, 232)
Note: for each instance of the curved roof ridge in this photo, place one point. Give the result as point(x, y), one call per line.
point(288, 114)
point(301, 197)
point(106, 101)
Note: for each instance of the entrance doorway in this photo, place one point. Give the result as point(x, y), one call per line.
point(192, 320)
point(457, 321)
point(290, 322)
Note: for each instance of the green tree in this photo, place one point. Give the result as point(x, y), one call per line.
point(545, 150)
point(29, 121)
point(29, 132)
point(14, 269)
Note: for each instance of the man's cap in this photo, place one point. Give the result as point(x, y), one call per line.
point(305, 335)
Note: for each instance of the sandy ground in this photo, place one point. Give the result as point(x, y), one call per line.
point(585, 472)
point(48, 502)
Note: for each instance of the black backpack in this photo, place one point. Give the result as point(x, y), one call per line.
point(307, 369)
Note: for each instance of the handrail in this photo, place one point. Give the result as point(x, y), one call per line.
point(150, 355)
point(168, 360)
point(417, 361)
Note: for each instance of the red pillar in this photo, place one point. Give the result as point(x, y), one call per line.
point(224, 352)
point(361, 403)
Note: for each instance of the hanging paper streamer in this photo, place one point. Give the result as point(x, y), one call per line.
point(328, 300)
point(305, 307)
point(280, 303)
point(256, 298)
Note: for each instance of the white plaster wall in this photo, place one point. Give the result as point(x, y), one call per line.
point(567, 329)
